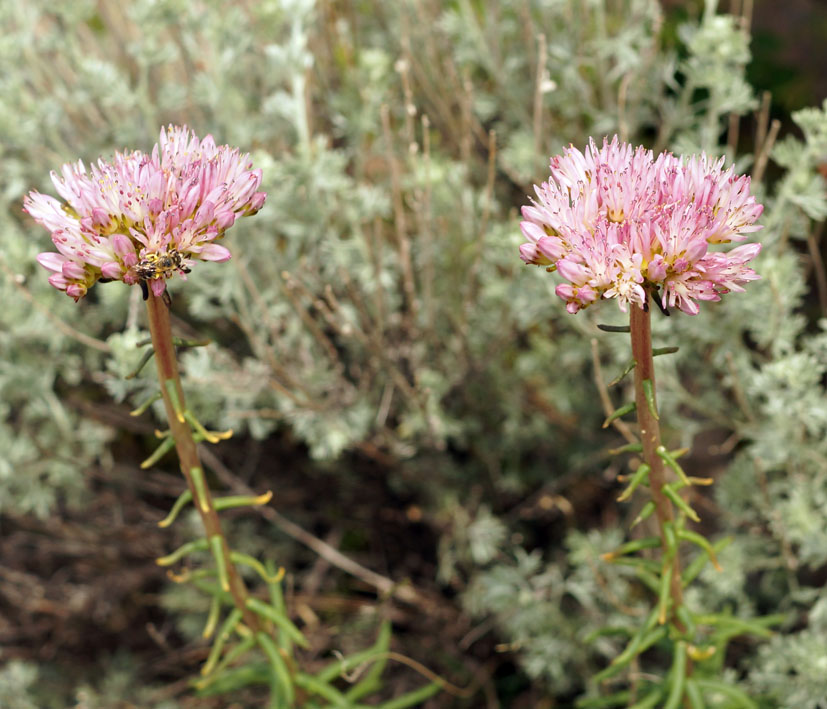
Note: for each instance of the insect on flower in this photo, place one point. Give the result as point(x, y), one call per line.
point(158, 265)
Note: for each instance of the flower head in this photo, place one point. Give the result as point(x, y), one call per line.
point(615, 222)
point(144, 218)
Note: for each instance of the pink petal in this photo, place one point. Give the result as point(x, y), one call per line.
point(528, 253)
point(742, 254)
point(51, 260)
point(571, 271)
point(111, 269)
point(100, 217)
point(58, 281)
point(551, 247)
point(225, 219)
point(257, 201)
point(122, 245)
point(532, 231)
point(76, 290)
point(214, 252)
point(158, 286)
point(73, 270)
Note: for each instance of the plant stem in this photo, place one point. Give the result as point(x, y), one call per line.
point(161, 332)
point(650, 436)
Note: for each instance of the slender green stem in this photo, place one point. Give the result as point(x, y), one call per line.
point(650, 438)
point(173, 394)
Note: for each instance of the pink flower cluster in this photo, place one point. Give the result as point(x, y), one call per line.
point(617, 223)
point(143, 218)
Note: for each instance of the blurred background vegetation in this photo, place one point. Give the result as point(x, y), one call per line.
point(416, 398)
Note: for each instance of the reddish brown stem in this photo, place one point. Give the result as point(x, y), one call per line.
point(650, 434)
point(165, 359)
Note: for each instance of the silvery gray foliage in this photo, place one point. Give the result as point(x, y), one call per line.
point(550, 609)
point(378, 303)
point(803, 185)
point(45, 440)
point(792, 669)
point(16, 679)
point(717, 55)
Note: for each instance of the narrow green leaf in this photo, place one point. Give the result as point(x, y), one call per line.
point(279, 666)
point(650, 701)
point(636, 562)
point(632, 547)
point(183, 499)
point(672, 463)
point(232, 501)
point(641, 474)
point(232, 680)
point(145, 357)
point(652, 637)
point(694, 695)
point(620, 377)
point(183, 550)
point(165, 447)
point(680, 503)
point(202, 433)
point(703, 543)
point(238, 558)
point(617, 413)
point(648, 578)
point(414, 698)
point(628, 448)
point(677, 677)
point(348, 664)
point(180, 342)
point(738, 626)
point(697, 564)
point(232, 655)
point(279, 619)
point(630, 651)
point(618, 699)
point(685, 617)
point(639, 644)
point(372, 679)
point(212, 617)
point(276, 596)
point(645, 512)
point(143, 407)
point(227, 627)
point(199, 580)
point(613, 328)
point(607, 632)
point(277, 603)
point(314, 686)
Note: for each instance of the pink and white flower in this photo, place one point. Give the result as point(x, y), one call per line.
point(616, 222)
point(121, 219)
